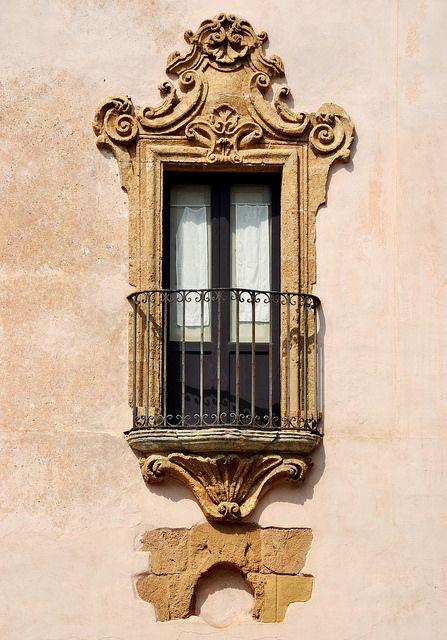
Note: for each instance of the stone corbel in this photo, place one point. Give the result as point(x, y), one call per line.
point(220, 119)
point(227, 487)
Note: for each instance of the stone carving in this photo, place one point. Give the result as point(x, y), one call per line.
point(224, 132)
point(225, 42)
point(270, 560)
point(115, 119)
point(218, 113)
point(228, 44)
point(227, 487)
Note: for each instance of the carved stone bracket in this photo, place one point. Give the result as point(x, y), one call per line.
point(227, 487)
point(217, 114)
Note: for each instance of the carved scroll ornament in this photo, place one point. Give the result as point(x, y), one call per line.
point(217, 114)
point(224, 114)
point(227, 487)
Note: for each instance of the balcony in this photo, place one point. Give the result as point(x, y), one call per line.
point(215, 370)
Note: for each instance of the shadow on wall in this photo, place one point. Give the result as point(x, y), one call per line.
point(175, 491)
point(347, 166)
point(289, 494)
point(223, 597)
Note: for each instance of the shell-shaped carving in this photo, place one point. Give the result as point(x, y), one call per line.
point(227, 487)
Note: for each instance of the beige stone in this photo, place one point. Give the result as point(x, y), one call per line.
point(291, 589)
point(260, 555)
point(227, 487)
point(274, 593)
point(155, 589)
point(171, 595)
point(285, 550)
point(264, 591)
point(169, 552)
point(211, 544)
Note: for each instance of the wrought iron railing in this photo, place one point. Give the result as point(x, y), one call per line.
point(231, 365)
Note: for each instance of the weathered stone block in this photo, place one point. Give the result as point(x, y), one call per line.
point(168, 549)
point(155, 589)
point(211, 544)
point(291, 589)
point(284, 550)
point(269, 559)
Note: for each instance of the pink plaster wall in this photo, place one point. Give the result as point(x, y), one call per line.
point(72, 500)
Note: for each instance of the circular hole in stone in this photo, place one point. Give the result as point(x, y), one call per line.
point(223, 597)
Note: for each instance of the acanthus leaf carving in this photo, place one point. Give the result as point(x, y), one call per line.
point(281, 122)
point(226, 43)
point(295, 117)
point(329, 131)
point(118, 121)
point(116, 128)
point(224, 132)
point(174, 112)
point(170, 99)
point(227, 486)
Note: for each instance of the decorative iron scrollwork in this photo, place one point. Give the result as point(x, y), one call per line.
point(218, 112)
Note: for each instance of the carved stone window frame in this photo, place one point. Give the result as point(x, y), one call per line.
point(223, 122)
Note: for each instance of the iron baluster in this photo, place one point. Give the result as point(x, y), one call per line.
point(237, 358)
point(219, 310)
point(146, 417)
point(305, 329)
point(183, 376)
point(164, 346)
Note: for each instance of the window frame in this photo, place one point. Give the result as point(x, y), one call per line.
point(221, 184)
point(296, 264)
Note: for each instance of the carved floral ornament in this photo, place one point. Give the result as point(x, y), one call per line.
point(226, 44)
point(218, 117)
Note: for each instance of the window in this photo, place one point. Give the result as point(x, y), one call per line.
point(207, 348)
point(221, 267)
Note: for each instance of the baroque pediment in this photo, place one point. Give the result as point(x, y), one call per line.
point(218, 112)
point(219, 102)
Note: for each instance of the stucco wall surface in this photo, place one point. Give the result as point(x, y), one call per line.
point(73, 503)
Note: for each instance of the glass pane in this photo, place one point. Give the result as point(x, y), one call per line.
point(251, 257)
point(190, 258)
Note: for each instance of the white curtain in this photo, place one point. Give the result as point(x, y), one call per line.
point(253, 256)
point(191, 259)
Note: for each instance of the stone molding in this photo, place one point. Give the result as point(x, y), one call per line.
point(227, 120)
point(299, 442)
point(270, 560)
point(218, 117)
